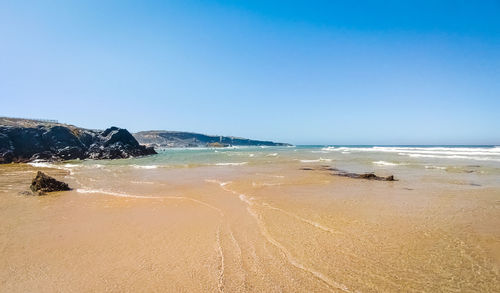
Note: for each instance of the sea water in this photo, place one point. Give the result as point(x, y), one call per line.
point(463, 165)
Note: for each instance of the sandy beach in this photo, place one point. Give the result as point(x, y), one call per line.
point(249, 146)
point(244, 228)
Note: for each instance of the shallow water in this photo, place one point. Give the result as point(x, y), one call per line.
point(249, 219)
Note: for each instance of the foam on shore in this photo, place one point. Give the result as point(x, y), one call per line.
point(145, 166)
point(465, 153)
point(384, 163)
point(316, 160)
point(231, 164)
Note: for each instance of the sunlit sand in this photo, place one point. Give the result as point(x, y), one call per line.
point(247, 228)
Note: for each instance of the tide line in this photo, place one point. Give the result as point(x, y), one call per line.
point(118, 194)
point(289, 257)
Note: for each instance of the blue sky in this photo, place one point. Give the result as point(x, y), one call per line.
point(305, 72)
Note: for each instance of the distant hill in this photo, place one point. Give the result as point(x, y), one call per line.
point(166, 139)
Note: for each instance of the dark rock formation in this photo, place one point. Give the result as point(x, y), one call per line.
point(115, 143)
point(165, 139)
point(6, 148)
point(44, 183)
point(369, 176)
point(338, 172)
point(42, 141)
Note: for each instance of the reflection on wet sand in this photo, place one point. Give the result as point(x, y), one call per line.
point(245, 228)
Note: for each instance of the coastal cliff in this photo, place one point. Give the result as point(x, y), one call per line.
point(24, 140)
point(166, 139)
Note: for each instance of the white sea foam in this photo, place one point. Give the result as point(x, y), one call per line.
point(71, 165)
point(466, 153)
point(435, 167)
point(475, 158)
point(272, 155)
point(221, 183)
point(384, 163)
point(328, 149)
point(316, 161)
point(42, 165)
point(119, 194)
point(66, 167)
point(245, 199)
point(145, 166)
point(231, 164)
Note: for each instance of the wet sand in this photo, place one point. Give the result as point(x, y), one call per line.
point(245, 229)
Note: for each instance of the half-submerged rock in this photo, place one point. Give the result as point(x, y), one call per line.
point(338, 172)
point(44, 183)
point(369, 176)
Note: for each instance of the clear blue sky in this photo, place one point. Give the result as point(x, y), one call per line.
point(305, 72)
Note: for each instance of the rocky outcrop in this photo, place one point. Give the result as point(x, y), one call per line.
point(166, 139)
point(51, 142)
point(44, 183)
point(369, 176)
point(338, 172)
point(116, 143)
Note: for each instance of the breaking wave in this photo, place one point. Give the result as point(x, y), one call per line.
point(65, 167)
point(42, 165)
point(465, 153)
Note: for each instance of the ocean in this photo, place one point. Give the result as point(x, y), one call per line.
point(455, 165)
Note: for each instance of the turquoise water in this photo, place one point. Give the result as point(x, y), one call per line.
point(430, 157)
point(462, 165)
